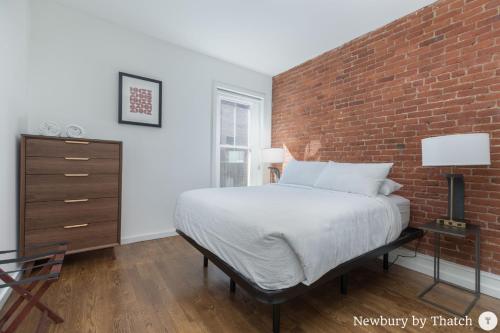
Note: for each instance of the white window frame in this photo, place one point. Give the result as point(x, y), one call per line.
point(231, 94)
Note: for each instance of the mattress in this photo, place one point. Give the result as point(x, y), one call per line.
point(278, 236)
point(403, 205)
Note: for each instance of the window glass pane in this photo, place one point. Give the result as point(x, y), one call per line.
point(242, 120)
point(227, 123)
point(233, 167)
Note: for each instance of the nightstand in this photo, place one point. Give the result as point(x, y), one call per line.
point(439, 230)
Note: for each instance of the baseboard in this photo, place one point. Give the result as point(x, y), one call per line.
point(455, 273)
point(5, 292)
point(150, 236)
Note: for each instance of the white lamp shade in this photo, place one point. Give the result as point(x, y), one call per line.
point(273, 155)
point(456, 150)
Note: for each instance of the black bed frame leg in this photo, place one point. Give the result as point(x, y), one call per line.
point(232, 286)
point(276, 318)
point(385, 265)
point(205, 261)
point(343, 284)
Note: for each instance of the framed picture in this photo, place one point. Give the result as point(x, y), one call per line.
point(139, 100)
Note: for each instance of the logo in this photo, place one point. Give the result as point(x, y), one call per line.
point(487, 321)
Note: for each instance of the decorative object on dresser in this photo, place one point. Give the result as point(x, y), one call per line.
point(456, 150)
point(270, 156)
point(75, 131)
point(70, 190)
point(49, 128)
point(139, 100)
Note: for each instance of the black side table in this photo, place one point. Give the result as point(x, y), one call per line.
point(439, 230)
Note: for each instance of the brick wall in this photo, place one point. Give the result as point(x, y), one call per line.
point(433, 72)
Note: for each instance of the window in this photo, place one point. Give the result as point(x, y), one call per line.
point(237, 139)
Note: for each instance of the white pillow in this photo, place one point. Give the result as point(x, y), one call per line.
point(368, 170)
point(302, 172)
point(389, 186)
point(332, 179)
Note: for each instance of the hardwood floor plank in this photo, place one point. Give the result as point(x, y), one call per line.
point(162, 286)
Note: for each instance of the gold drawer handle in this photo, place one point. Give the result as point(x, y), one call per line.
point(76, 200)
point(77, 142)
point(77, 158)
point(76, 174)
point(76, 226)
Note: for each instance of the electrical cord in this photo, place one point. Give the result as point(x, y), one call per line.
point(414, 255)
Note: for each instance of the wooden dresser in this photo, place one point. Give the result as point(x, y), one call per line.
point(70, 190)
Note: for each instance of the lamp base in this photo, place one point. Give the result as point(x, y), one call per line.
point(456, 201)
point(275, 173)
point(462, 224)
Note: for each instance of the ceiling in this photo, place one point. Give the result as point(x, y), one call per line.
point(268, 36)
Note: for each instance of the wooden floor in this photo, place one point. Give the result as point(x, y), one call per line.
point(161, 286)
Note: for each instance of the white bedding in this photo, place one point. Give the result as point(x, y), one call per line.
point(278, 236)
point(403, 205)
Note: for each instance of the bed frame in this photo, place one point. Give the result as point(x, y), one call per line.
point(277, 297)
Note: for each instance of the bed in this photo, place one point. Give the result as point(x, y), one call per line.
point(278, 241)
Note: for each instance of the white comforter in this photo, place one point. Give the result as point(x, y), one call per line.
point(278, 236)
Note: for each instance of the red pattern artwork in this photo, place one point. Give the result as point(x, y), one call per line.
point(141, 101)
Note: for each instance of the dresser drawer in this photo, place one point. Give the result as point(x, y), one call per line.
point(41, 215)
point(62, 165)
point(83, 237)
point(71, 148)
point(71, 187)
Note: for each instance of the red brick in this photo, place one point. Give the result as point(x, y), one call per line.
point(430, 73)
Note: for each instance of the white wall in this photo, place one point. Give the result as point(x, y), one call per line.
point(14, 29)
point(74, 65)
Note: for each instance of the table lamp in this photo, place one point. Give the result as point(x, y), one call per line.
point(273, 155)
point(456, 150)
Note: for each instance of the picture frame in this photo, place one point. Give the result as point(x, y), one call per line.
point(139, 100)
